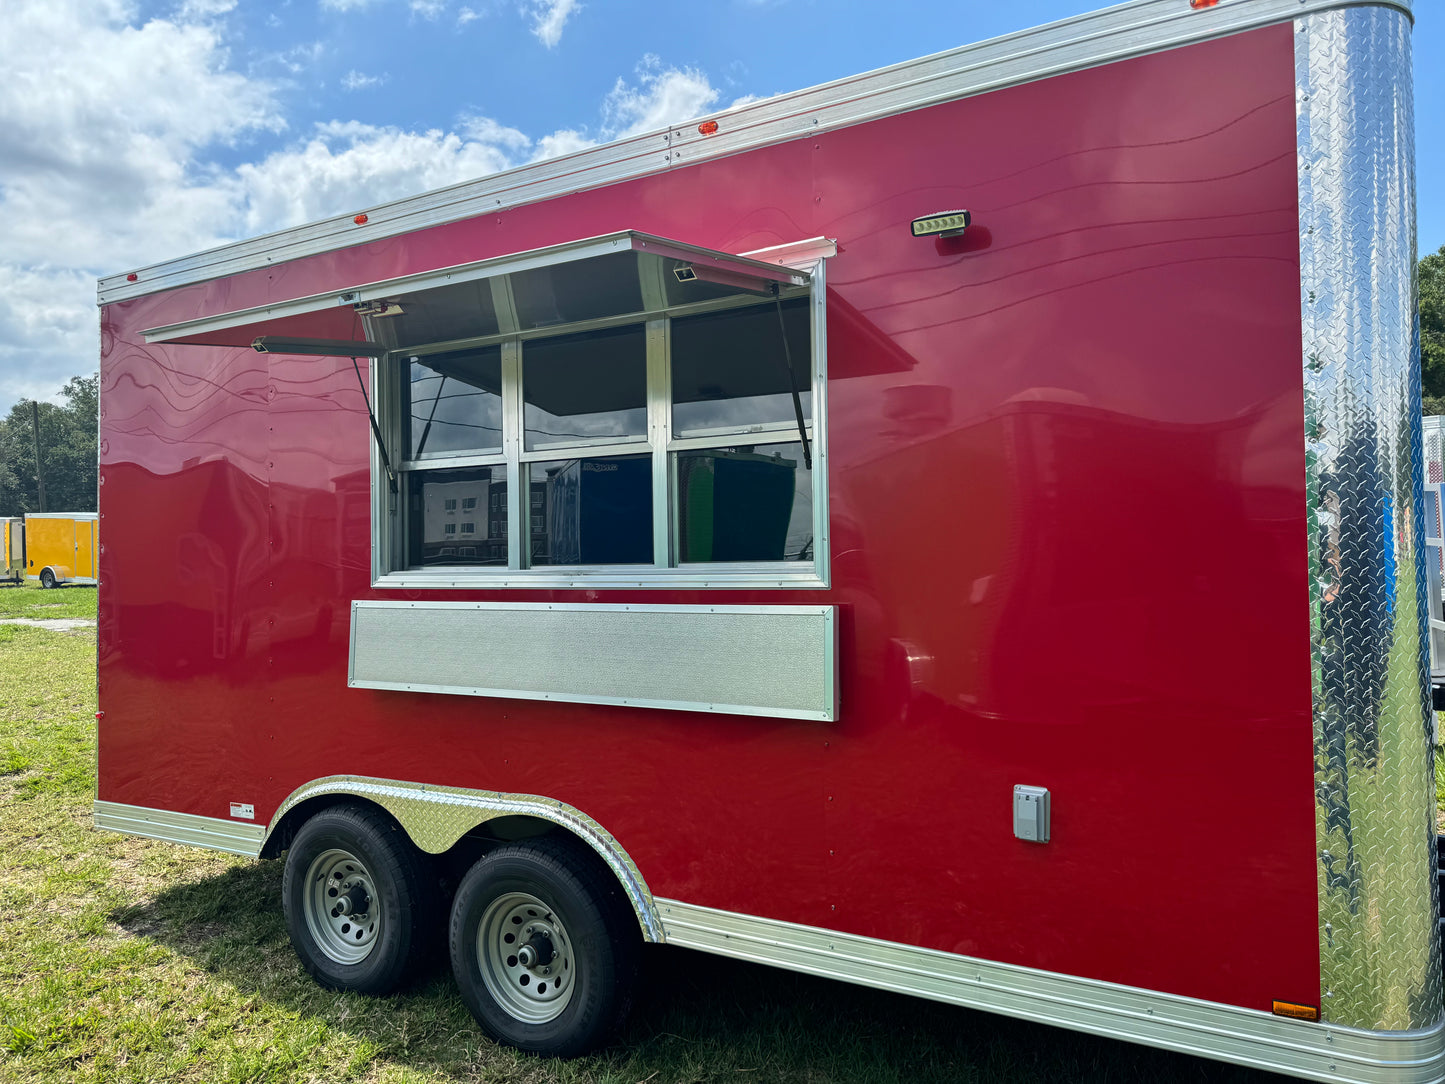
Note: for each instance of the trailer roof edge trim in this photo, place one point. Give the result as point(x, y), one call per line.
point(1084, 41)
point(668, 265)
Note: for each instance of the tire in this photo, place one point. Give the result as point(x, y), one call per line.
point(47, 579)
point(554, 898)
point(353, 862)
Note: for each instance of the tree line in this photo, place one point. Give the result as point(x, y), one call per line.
point(1432, 331)
point(67, 452)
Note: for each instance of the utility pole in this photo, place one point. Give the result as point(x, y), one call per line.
point(39, 463)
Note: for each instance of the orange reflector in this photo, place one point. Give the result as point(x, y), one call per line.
point(361, 220)
point(707, 127)
point(1296, 1012)
point(1203, 3)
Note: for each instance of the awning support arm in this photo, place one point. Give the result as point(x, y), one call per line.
point(375, 429)
point(793, 382)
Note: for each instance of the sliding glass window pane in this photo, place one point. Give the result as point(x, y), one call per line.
point(745, 503)
point(454, 403)
point(730, 370)
point(590, 511)
point(457, 517)
point(585, 389)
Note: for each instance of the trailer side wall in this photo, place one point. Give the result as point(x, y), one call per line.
point(1067, 512)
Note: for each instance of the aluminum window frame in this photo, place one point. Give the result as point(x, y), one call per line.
point(389, 512)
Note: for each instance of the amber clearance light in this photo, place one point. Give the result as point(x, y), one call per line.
point(1296, 1012)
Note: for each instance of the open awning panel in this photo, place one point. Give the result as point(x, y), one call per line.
point(616, 275)
point(335, 324)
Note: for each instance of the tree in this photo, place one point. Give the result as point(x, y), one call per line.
point(67, 447)
point(1432, 331)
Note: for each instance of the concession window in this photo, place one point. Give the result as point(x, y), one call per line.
point(622, 411)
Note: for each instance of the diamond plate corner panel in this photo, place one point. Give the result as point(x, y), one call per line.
point(1374, 777)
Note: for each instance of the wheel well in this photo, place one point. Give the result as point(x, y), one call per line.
point(281, 837)
point(452, 864)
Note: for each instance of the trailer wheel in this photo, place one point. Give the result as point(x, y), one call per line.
point(360, 908)
point(544, 947)
point(47, 579)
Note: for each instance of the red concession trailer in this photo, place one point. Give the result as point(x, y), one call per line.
point(954, 530)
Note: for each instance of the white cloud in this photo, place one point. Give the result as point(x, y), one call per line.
point(101, 127)
point(566, 141)
point(204, 9)
point(662, 96)
point(350, 164)
point(293, 61)
point(355, 80)
point(108, 128)
point(549, 17)
point(346, 5)
point(428, 9)
point(467, 15)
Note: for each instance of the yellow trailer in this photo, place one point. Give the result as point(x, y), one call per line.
point(62, 547)
point(12, 549)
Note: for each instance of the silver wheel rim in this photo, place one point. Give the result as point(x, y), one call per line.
point(526, 958)
point(343, 912)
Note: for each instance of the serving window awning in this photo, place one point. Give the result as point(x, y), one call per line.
point(615, 276)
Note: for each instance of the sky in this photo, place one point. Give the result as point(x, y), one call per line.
point(135, 131)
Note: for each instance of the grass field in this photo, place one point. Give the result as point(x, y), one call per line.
point(124, 959)
point(28, 600)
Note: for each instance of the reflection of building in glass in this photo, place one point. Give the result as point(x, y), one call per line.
point(452, 531)
point(537, 519)
point(738, 506)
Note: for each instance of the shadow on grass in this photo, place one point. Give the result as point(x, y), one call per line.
point(697, 1017)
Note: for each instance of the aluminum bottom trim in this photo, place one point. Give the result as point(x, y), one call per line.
point(1206, 1029)
point(212, 833)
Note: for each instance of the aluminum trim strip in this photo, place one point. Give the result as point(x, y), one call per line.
point(671, 580)
point(585, 248)
point(518, 640)
point(437, 817)
point(1206, 1029)
point(212, 833)
point(1086, 41)
point(1374, 776)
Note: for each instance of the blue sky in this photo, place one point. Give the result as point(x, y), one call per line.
point(132, 131)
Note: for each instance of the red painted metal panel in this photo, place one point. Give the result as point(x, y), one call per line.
point(1067, 510)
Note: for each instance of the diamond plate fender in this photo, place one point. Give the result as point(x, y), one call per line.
point(1375, 808)
point(437, 817)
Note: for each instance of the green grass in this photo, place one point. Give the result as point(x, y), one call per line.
point(125, 959)
point(29, 600)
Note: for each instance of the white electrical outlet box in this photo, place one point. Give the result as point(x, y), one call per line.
point(1031, 814)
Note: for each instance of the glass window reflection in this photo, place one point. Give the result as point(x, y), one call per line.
point(744, 503)
point(457, 517)
point(590, 511)
point(454, 403)
point(730, 370)
point(585, 389)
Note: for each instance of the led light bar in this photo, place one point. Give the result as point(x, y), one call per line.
point(942, 224)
